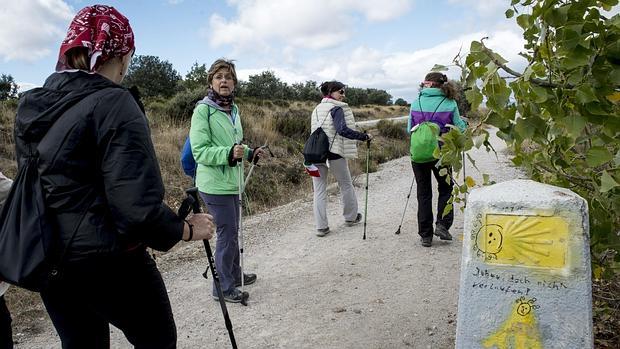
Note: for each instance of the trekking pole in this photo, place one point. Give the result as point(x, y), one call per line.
point(405, 210)
point(366, 201)
point(191, 202)
point(240, 229)
point(254, 164)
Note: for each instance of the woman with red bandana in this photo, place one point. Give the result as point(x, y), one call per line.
point(103, 188)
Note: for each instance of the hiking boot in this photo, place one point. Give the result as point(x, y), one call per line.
point(358, 219)
point(427, 241)
point(442, 232)
point(234, 296)
point(322, 232)
point(248, 279)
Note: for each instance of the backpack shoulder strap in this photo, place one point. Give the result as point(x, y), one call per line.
point(209, 113)
point(434, 111)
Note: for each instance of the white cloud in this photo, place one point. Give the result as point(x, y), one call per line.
point(313, 24)
point(400, 72)
point(31, 28)
point(25, 86)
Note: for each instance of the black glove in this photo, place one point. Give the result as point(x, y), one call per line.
point(232, 162)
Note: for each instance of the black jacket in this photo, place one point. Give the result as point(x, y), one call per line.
point(97, 165)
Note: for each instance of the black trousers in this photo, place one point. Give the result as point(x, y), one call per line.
point(6, 335)
point(126, 291)
point(422, 173)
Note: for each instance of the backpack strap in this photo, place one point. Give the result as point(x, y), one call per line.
point(432, 115)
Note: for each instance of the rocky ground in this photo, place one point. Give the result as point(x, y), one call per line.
point(339, 291)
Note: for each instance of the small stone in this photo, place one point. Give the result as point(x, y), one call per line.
point(357, 311)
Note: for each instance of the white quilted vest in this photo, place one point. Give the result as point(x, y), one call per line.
point(347, 148)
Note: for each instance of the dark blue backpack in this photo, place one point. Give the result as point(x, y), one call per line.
point(187, 158)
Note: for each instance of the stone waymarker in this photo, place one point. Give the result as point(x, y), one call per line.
point(525, 270)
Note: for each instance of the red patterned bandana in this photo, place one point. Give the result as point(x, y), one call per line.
point(103, 30)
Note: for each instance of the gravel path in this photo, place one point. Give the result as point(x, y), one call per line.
point(334, 292)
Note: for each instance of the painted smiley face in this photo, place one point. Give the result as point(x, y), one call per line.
point(489, 239)
point(524, 309)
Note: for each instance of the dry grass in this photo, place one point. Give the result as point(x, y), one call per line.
point(278, 180)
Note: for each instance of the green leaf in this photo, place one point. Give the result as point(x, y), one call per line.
point(485, 179)
point(557, 17)
point(526, 128)
point(575, 124)
point(497, 120)
point(575, 60)
point(447, 210)
point(509, 13)
point(439, 67)
point(585, 94)
point(479, 139)
point(607, 182)
point(525, 21)
point(473, 162)
point(615, 21)
point(540, 93)
point(597, 156)
point(474, 97)
point(617, 159)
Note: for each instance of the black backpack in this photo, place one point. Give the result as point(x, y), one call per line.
point(27, 234)
point(317, 145)
point(30, 247)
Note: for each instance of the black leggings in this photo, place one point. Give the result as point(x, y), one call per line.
point(424, 188)
point(6, 336)
point(126, 291)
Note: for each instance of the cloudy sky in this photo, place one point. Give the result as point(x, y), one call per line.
point(386, 44)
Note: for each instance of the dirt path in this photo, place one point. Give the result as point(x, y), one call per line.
point(334, 292)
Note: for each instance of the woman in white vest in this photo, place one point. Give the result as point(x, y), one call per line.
point(336, 119)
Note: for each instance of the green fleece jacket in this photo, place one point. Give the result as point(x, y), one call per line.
point(212, 139)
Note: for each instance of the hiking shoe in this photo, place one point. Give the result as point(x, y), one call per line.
point(248, 279)
point(427, 241)
point(322, 232)
point(358, 219)
point(442, 232)
point(234, 296)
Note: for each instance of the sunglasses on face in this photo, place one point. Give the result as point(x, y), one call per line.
point(340, 91)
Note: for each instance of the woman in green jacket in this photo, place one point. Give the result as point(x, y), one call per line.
point(215, 136)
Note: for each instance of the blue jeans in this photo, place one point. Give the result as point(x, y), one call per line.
point(225, 212)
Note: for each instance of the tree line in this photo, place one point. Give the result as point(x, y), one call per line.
point(157, 78)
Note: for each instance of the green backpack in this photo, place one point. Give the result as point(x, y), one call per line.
point(424, 139)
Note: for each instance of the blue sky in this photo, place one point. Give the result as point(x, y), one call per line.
point(386, 44)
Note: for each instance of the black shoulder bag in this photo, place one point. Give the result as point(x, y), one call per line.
point(317, 145)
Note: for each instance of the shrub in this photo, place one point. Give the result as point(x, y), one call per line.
point(390, 129)
point(281, 103)
point(181, 106)
point(293, 123)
